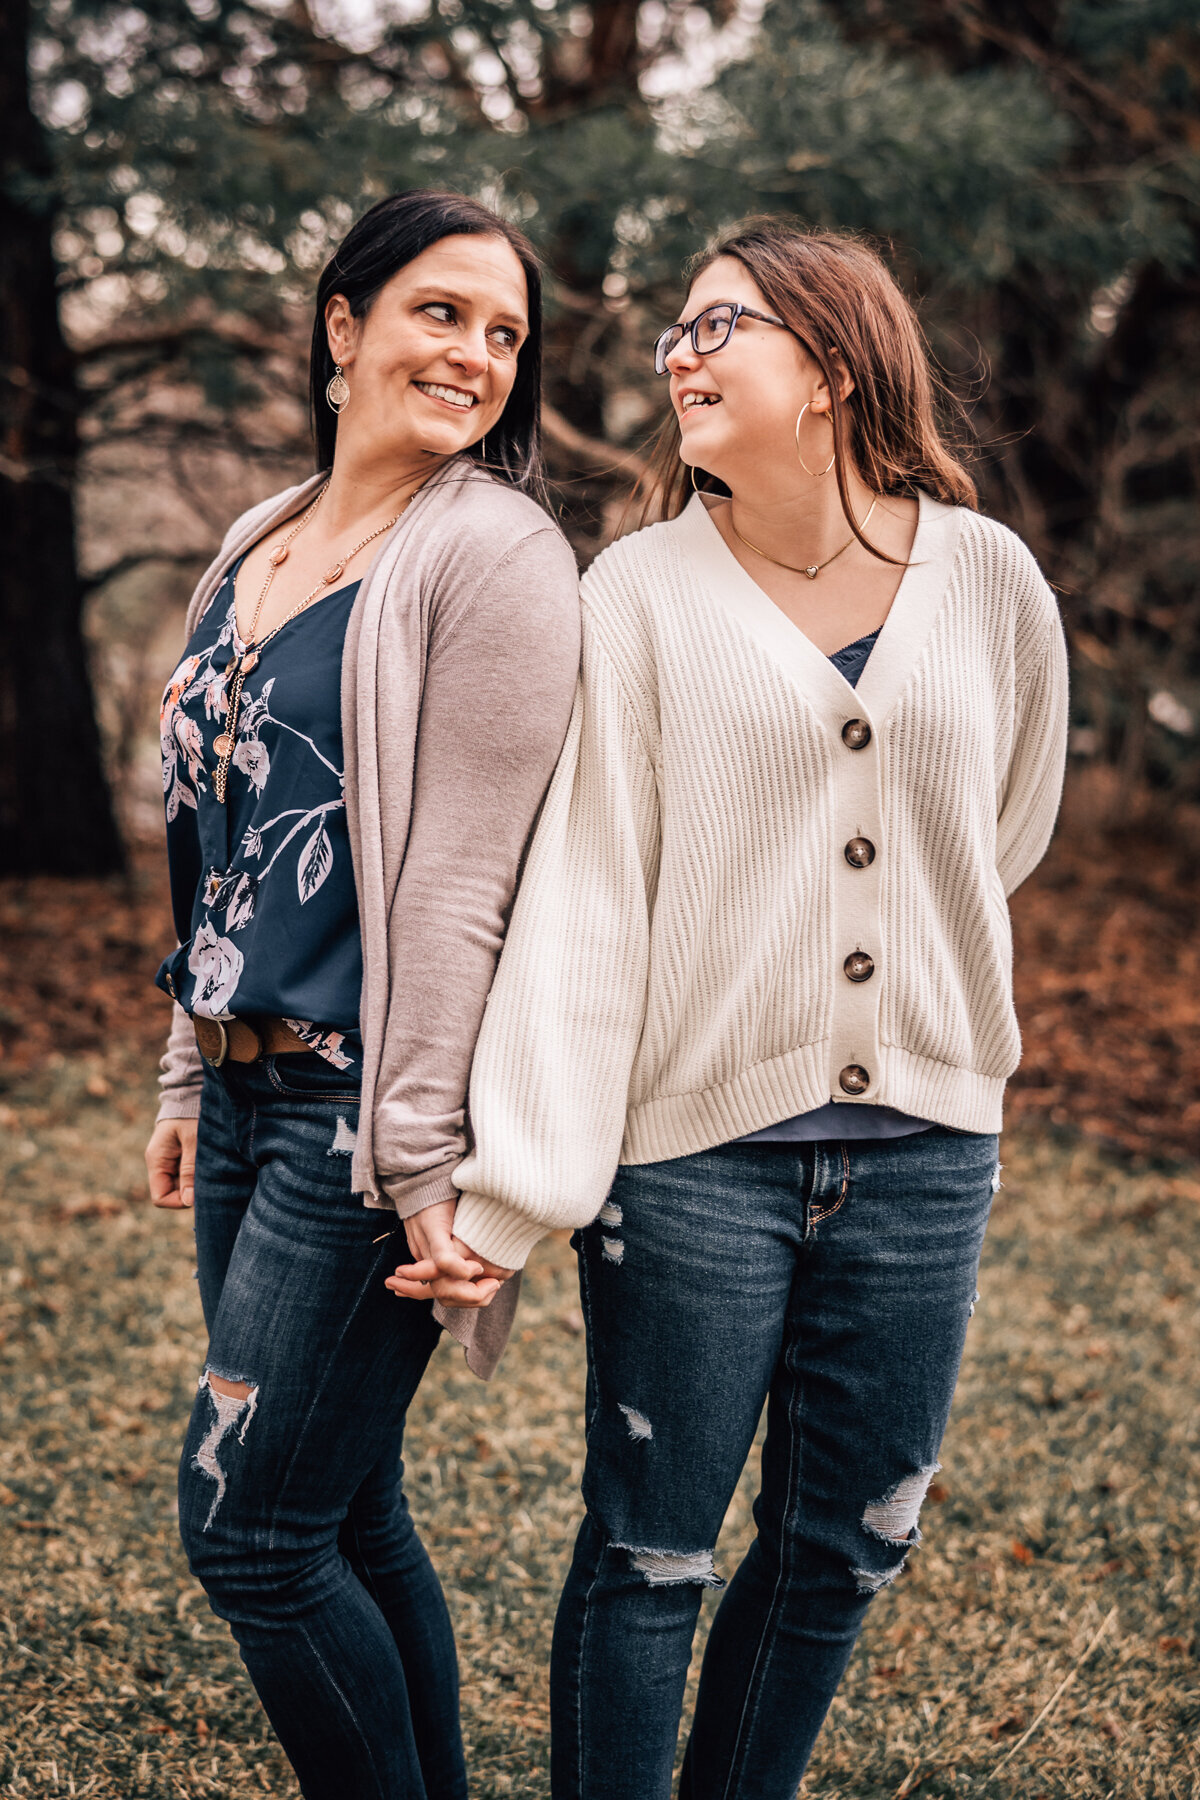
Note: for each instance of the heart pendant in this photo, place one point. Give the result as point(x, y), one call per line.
point(812, 571)
point(223, 745)
point(279, 554)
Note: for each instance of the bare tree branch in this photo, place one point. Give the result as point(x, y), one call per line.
point(606, 458)
point(137, 560)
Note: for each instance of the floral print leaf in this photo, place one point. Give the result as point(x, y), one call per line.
point(257, 710)
point(252, 843)
point(210, 686)
point(219, 888)
point(241, 904)
point(190, 739)
point(316, 860)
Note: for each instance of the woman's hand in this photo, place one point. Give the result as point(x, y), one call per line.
point(171, 1162)
point(443, 1267)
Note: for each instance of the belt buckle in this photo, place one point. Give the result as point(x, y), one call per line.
point(203, 1028)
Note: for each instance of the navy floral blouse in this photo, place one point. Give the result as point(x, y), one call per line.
point(262, 888)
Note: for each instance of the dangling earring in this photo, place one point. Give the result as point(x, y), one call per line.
point(815, 473)
point(337, 390)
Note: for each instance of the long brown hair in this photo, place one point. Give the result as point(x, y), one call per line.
point(843, 303)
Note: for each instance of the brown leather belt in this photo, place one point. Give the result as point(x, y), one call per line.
point(237, 1040)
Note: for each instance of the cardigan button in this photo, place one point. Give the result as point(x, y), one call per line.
point(859, 966)
point(860, 853)
point(856, 734)
point(854, 1079)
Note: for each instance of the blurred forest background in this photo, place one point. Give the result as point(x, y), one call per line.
point(175, 172)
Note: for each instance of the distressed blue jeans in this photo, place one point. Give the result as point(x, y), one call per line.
point(832, 1281)
point(290, 1501)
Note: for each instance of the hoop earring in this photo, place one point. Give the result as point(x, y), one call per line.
point(337, 390)
point(815, 473)
point(695, 489)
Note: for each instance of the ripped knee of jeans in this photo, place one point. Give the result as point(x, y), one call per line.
point(673, 1568)
point(892, 1520)
point(234, 1404)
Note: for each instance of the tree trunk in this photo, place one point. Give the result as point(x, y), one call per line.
point(56, 814)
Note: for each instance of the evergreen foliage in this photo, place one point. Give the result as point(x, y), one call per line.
point(1034, 167)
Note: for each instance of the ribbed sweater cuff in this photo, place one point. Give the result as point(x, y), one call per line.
point(411, 1194)
point(495, 1231)
point(180, 1103)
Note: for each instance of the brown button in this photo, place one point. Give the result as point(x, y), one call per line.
point(856, 734)
point(854, 1079)
point(860, 853)
point(170, 986)
point(858, 966)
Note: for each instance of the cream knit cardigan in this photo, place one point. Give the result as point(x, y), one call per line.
point(673, 972)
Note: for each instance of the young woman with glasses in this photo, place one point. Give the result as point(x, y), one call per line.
point(377, 683)
point(753, 1021)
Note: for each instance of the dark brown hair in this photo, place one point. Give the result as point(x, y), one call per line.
point(840, 299)
point(378, 246)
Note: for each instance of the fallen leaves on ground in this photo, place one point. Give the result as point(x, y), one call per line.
point(117, 1683)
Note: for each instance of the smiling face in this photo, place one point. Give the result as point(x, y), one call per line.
point(737, 406)
point(432, 362)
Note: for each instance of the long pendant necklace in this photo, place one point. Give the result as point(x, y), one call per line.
point(813, 569)
point(246, 659)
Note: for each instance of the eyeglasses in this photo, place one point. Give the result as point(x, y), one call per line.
point(710, 330)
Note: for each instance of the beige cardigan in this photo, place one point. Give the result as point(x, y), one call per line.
point(460, 664)
point(716, 844)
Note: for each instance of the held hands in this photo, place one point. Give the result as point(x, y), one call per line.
point(171, 1162)
point(443, 1267)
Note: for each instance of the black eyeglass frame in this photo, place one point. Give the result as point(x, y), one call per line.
point(688, 328)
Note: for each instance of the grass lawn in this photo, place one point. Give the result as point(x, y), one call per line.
point(1068, 1500)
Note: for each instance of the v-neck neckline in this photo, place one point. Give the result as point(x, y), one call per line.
point(241, 644)
point(902, 636)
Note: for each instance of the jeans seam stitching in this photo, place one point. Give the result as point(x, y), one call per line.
point(577, 1681)
point(817, 1218)
point(320, 1661)
point(587, 1600)
point(321, 1386)
point(769, 1624)
point(370, 1582)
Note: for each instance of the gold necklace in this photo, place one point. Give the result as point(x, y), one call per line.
point(246, 659)
point(813, 569)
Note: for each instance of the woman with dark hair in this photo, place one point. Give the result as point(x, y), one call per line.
point(753, 1021)
point(376, 685)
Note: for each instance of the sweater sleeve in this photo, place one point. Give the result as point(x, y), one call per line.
point(182, 1071)
point(495, 704)
point(550, 1081)
point(1033, 787)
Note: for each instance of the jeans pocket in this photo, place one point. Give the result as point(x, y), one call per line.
point(305, 1075)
